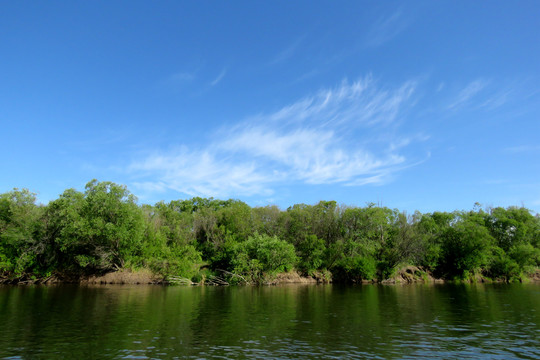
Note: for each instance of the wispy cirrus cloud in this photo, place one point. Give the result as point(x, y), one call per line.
point(288, 52)
point(387, 27)
point(355, 104)
point(483, 94)
point(218, 79)
point(309, 156)
point(522, 149)
point(468, 93)
point(199, 172)
point(327, 138)
point(181, 77)
point(177, 80)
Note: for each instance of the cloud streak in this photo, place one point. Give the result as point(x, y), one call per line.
point(483, 95)
point(387, 28)
point(219, 78)
point(198, 172)
point(181, 77)
point(288, 52)
point(332, 137)
point(468, 93)
point(522, 149)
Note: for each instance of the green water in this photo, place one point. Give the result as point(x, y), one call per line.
point(497, 321)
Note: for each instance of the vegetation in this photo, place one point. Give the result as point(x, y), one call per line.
point(103, 229)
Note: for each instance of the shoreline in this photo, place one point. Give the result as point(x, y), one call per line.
point(405, 276)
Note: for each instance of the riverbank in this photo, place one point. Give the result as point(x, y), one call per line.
point(405, 275)
point(104, 229)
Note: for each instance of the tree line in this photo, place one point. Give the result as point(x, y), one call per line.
point(103, 229)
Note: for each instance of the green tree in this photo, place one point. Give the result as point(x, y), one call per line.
point(168, 247)
point(310, 252)
point(21, 250)
point(263, 255)
point(513, 226)
point(268, 220)
point(466, 247)
point(99, 231)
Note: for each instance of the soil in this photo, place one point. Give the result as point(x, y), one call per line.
point(125, 277)
point(293, 278)
point(405, 275)
point(535, 276)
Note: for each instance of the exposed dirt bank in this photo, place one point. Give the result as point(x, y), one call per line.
point(536, 275)
point(292, 278)
point(125, 277)
point(405, 275)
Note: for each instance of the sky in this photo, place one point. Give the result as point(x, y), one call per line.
point(418, 105)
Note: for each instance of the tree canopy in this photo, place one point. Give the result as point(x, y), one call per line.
point(104, 229)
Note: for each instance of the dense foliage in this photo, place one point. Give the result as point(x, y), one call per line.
point(104, 229)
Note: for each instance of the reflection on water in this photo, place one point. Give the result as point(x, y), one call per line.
point(497, 321)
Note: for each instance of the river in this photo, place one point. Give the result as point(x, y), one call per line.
point(446, 321)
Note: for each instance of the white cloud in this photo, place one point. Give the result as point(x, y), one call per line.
point(329, 138)
point(497, 100)
point(485, 95)
point(181, 77)
point(219, 77)
point(470, 91)
point(387, 28)
point(311, 156)
point(199, 173)
point(288, 52)
point(522, 149)
point(356, 104)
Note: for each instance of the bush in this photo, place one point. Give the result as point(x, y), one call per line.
point(263, 254)
point(310, 253)
point(356, 269)
point(501, 266)
point(465, 249)
point(526, 256)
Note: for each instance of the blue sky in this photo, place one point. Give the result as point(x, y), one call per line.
point(415, 105)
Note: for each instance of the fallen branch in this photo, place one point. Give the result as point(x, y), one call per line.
point(216, 280)
point(44, 281)
point(177, 280)
point(233, 274)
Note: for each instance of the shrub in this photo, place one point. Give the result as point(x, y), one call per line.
point(310, 253)
point(501, 266)
point(263, 254)
point(355, 269)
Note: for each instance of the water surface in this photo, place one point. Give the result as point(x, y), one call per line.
point(497, 321)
